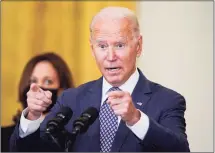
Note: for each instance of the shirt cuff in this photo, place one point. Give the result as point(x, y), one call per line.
point(28, 126)
point(141, 127)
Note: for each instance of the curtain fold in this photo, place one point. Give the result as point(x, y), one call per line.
point(29, 28)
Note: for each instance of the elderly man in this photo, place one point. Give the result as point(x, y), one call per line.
point(135, 114)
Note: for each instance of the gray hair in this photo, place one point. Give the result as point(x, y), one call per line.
point(117, 13)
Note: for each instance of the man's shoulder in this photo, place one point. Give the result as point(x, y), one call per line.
point(155, 88)
point(81, 88)
point(163, 92)
point(164, 98)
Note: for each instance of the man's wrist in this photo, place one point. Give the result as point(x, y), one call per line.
point(135, 118)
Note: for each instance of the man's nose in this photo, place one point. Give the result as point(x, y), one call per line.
point(111, 55)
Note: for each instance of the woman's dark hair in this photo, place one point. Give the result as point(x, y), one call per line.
point(64, 74)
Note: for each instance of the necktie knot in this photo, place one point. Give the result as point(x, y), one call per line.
point(111, 89)
point(114, 89)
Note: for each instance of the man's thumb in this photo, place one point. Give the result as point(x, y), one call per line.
point(34, 87)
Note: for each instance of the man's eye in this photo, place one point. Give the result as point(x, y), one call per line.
point(120, 45)
point(102, 46)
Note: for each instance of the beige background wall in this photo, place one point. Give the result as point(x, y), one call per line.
point(178, 53)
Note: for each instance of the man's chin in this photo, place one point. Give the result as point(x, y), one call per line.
point(114, 81)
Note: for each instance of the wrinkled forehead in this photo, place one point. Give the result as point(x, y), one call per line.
point(112, 29)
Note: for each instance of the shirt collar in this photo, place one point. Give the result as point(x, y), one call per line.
point(128, 86)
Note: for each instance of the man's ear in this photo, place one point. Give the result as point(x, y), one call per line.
point(139, 46)
point(91, 47)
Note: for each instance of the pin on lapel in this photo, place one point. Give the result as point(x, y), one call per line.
point(139, 103)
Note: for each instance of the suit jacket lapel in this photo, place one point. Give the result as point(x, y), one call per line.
point(140, 98)
point(93, 99)
point(93, 96)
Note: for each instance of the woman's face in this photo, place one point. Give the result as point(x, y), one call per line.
point(45, 75)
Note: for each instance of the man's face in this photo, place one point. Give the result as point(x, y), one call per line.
point(115, 49)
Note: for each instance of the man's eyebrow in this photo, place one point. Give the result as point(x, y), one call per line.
point(100, 41)
point(123, 40)
point(120, 41)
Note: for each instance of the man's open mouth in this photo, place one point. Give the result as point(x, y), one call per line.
point(113, 69)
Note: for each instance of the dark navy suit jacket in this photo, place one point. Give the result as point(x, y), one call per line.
point(164, 107)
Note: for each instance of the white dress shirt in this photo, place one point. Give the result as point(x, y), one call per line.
point(139, 129)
